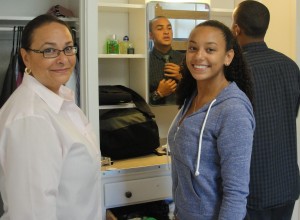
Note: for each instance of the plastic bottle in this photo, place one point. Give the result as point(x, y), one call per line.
point(112, 45)
point(124, 45)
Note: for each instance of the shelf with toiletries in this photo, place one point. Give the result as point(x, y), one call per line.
point(124, 20)
point(117, 20)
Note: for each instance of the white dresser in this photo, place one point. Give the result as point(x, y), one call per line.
point(137, 180)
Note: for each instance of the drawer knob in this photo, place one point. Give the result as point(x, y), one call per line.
point(128, 194)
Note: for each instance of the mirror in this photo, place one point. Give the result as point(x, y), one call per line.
point(169, 25)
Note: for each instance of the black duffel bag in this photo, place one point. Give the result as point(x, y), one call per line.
point(113, 95)
point(128, 132)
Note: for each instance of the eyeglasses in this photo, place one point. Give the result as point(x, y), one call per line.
point(52, 53)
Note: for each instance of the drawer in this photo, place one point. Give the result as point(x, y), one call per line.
point(126, 192)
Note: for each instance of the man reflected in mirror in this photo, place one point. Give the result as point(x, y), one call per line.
point(164, 65)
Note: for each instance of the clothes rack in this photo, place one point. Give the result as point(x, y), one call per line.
point(6, 28)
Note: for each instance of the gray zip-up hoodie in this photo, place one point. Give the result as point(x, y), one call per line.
point(211, 151)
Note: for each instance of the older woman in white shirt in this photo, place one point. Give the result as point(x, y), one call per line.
point(49, 155)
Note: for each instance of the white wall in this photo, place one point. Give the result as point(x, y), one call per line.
point(281, 34)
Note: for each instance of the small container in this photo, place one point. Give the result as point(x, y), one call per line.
point(124, 45)
point(112, 45)
point(130, 49)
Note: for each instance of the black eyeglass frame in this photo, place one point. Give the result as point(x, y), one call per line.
point(57, 50)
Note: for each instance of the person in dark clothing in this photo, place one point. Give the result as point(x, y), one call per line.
point(164, 64)
point(274, 181)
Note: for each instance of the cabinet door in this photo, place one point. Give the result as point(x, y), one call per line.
point(89, 61)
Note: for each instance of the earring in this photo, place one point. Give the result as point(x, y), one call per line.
point(27, 71)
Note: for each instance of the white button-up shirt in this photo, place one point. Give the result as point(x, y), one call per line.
point(49, 155)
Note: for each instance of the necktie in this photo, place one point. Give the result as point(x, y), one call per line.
point(166, 58)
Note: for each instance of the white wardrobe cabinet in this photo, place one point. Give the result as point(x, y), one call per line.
point(144, 179)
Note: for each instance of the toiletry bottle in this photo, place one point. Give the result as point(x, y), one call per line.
point(130, 49)
point(112, 45)
point(124, 45)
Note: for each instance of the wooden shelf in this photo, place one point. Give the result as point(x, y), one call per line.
point(118, 56)
point(221, 12)
point(28, 18)
point(118, 7)
point(123, 105)
point(142, 163)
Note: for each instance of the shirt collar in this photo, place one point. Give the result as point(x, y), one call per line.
point(254, 47)
point(53, 100)
point(159, 55)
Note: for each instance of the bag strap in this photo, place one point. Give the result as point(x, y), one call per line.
point(139, 101)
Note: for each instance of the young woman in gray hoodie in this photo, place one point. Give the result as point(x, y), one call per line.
point(211, 137)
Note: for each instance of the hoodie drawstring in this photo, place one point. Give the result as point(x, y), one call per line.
point(200, 138)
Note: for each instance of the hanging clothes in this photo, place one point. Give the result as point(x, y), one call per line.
point(77, 67)
point(13, 77)
point(20, 67)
